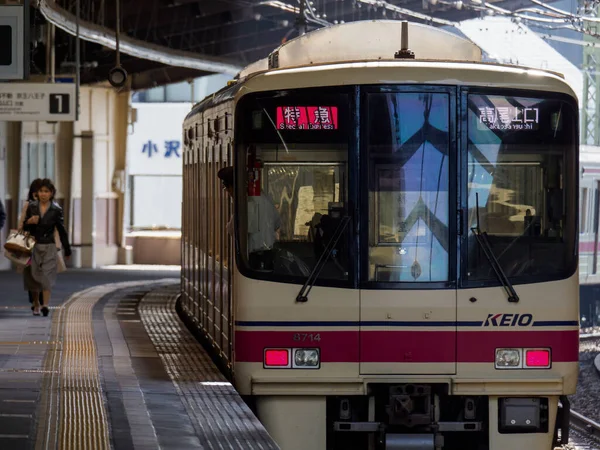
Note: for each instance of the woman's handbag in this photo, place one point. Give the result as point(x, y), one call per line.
point(20, 242)
point(20, 259)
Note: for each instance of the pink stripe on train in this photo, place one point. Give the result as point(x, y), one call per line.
point(407, 346)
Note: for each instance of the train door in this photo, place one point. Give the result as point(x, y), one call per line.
point(408, 294)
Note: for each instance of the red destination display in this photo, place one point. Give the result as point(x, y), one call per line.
point(307, 118)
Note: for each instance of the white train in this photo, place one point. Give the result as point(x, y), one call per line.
point(401, 272)
point(589, 227)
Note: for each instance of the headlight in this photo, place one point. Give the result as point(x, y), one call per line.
point(307, 358)
point(508, 358)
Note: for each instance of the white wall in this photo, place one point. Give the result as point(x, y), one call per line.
point(154, 164)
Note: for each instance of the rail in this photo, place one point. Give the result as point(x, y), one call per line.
point(589, 337)
point(586, 425)
point(587, 333)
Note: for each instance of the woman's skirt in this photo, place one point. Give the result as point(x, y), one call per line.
point(41, 274)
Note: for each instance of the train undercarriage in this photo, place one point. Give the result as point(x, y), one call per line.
point(426, 417)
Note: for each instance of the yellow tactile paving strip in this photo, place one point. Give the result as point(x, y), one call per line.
point(73, 413)
point(83, 422)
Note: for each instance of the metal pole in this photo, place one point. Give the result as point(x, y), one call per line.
point(52, 52)
point(48, 45)
point(77, 58)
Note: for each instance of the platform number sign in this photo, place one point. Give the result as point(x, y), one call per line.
point(59, 103)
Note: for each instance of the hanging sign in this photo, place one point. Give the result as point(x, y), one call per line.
point(37, 102)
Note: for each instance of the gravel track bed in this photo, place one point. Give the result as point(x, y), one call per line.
point(587, 399)
point(579, 442)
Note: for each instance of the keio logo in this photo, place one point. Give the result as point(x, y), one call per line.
point(508, 320)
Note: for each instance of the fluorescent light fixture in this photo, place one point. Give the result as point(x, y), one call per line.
point(281, 5)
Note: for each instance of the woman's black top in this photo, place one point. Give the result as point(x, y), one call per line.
point(43, 231)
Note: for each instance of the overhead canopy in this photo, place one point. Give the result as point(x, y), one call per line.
point(217, 35)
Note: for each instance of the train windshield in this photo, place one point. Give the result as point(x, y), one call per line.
point(406, 177)
point(408, 152)
point(292, 172)
point(521, 178)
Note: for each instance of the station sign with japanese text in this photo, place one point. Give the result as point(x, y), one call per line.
point(42, 102)
point(155, 144)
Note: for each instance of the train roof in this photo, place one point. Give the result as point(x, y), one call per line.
point(373, 41)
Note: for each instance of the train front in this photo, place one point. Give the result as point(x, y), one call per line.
point(407, 262)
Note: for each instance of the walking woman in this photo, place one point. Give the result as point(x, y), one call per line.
point(31, 197)
point(42, 218)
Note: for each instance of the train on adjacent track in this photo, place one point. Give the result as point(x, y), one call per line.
point(395, 265)
point(589, 227)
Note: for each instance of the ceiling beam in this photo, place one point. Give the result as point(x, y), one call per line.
point(183, 20)
point(163, 76)
point(224, 43)
point(143, 50)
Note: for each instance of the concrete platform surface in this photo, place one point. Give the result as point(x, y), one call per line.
point(113, 367)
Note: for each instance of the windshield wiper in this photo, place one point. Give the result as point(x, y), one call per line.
point(312, 278)
point(482, 238)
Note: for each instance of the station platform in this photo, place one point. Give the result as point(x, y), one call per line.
point(113, 367)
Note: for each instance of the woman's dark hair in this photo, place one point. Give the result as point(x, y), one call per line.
point(47, 183)
point(226, 176)
point(33, 188)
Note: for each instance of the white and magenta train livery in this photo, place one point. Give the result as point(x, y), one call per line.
point(401, 268)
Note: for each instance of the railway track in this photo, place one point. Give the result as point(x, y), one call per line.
point(587, 429)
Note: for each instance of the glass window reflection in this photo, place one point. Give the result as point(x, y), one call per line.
point(294, 146)
point(521, 157)
point(408, 187)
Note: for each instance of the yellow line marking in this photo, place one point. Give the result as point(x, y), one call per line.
point(73, 413)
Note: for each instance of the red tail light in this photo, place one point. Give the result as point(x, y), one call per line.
point(277, 357)
point(537, 358)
